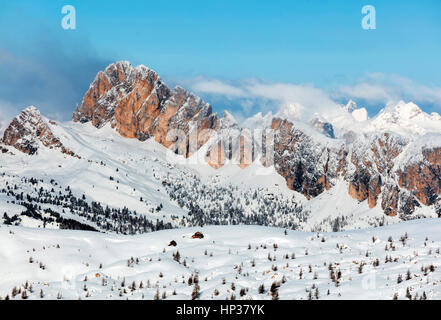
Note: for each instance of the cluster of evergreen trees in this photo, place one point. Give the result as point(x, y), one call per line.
point(50, 206)
point(229, 205)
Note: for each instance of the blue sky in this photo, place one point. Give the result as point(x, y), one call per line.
point(213, 46)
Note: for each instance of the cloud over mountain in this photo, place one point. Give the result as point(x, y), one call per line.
point(384, 88)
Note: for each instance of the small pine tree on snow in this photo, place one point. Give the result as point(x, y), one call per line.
point(274, 288)
point(190, 280)
point(408, 295)
point(24, 295)
point(195, 293)
point(261, 289)
point(14, 292)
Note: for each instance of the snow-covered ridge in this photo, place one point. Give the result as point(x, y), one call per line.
point(403, 118)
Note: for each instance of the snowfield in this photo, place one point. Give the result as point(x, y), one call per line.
point(401, 261)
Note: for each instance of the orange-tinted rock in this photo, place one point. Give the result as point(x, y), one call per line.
point(139, 105)
point(423, 179)
point(28, 131)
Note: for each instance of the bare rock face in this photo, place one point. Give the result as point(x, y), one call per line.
point(324, 127)
point(137, 103)
point(373, 159)
point(423, 179)
point(307, 165)
point(28, 131)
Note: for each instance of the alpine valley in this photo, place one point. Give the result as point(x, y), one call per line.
point(118, 172)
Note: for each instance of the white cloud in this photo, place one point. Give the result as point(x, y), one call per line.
point(367, 91)
point(383, 88)
point(214, 86)
point(274, 96)
point(376, 89)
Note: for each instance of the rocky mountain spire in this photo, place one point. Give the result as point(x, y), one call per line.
point(30, 130)
point(138, 104)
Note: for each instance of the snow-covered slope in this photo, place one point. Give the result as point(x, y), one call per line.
point(400, 261)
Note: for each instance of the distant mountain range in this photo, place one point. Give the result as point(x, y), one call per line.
point(370, 170)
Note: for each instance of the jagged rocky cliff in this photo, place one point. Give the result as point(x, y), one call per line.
point(30, 130)
point(137, 103)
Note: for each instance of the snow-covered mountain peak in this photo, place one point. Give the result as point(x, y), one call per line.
point(29, 116)
point(402, 110)
point(30, 130)
point(290, 111)
point(350, 106)
point(228, 121)
point(258, 121)
point(406, 118)
point(360, 115)
point(322, 126)
point(31, 109)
